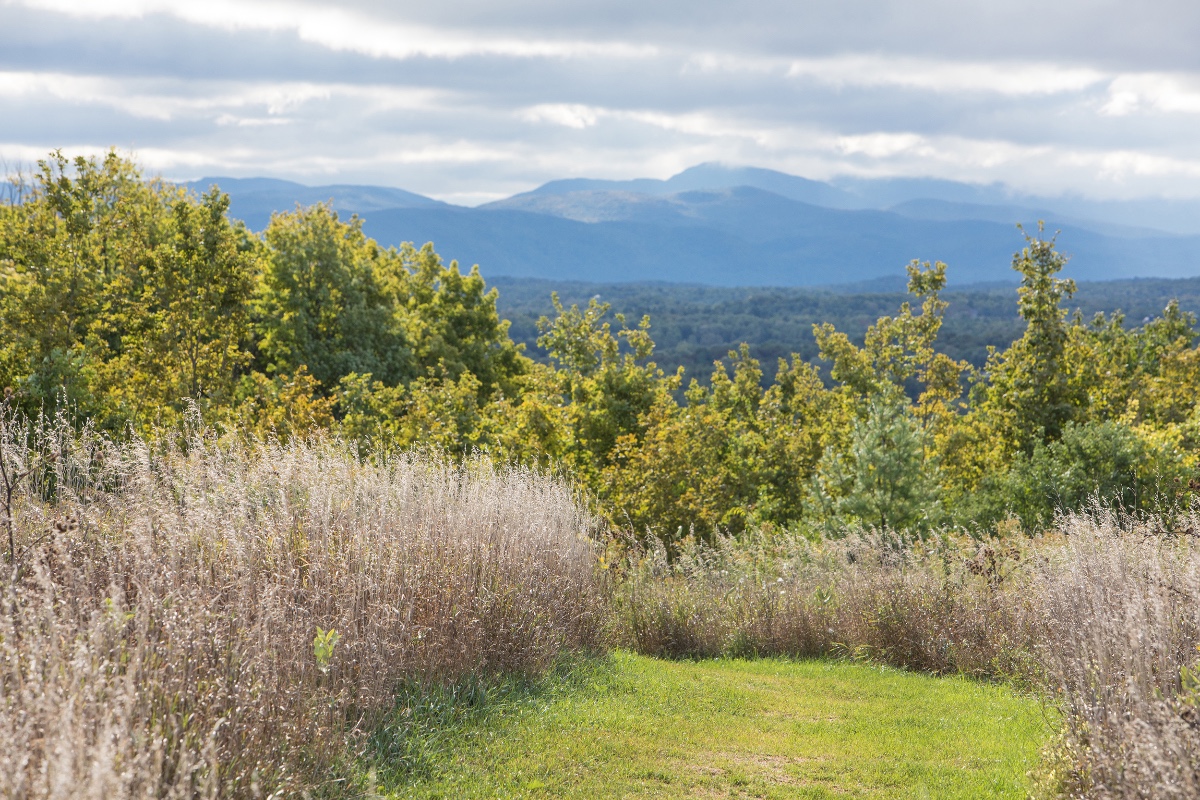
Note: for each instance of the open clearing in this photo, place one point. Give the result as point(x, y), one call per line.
point(636, 726)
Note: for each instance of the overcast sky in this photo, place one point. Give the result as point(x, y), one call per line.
point(470, 100)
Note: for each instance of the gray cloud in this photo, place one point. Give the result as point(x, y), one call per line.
point(469, 100)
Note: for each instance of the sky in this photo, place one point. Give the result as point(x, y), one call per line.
point(472, 100)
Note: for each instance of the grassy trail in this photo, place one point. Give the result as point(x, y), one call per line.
point(639, 727)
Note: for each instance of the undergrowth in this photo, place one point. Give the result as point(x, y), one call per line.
point(200, 618)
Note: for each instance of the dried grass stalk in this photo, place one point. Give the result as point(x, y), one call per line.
point(157, 634)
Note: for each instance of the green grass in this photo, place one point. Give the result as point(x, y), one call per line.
point(631, 726)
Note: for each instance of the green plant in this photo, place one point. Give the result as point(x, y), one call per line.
point(323, 644)
point(884, 480)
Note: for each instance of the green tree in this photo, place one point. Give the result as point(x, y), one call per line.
point(1091, 462)
point(1028, 388)
point(321, 304)
point(698, 466)
point(125, 297)
point(607, 389)
point(176, 328)
point(82, 224)
point(884, 479)
point(450, 321)
point(897, 350)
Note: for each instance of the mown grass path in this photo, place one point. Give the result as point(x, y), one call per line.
point(640, 727)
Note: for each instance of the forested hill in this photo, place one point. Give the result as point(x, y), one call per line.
point(695, 325)
point(142, 309)
point(752, 227)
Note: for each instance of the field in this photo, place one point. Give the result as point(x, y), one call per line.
point(249, 550)
point(206, 617)
point(632, 726)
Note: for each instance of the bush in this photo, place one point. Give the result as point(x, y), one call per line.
point(927, 606)
point(884, 479)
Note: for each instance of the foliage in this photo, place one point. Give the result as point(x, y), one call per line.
point(1029, 384)
point(321, 304)
point(883, 480)
point(695, 325)
point(133, 302)
point(122, 298)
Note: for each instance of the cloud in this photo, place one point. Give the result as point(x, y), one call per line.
point(872, 70)
point(161, 100)
point(338, 28)
point(468, 100)
point(570, 115)
point(1153, 92)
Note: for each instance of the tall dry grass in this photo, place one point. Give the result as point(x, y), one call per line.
point(1120, 603)
point(165, 629)
point(1102, 616)
point(932, 606)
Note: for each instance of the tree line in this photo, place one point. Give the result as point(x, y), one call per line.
point(696, 325)
point(131, 304)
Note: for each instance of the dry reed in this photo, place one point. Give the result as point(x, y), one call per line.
point(930, 607)
point(166, 628)
point(1121, 605)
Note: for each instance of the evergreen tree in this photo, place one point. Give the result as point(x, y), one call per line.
point(884, 479)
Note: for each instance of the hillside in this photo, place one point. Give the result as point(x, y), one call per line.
point(726, 226)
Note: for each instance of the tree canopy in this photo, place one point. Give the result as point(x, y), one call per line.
point(131, 303)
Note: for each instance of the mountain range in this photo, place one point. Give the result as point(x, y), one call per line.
point(720, 225)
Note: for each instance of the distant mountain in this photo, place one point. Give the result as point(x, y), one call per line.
point(818, 247)
point(709, 177)
point(948, 211)
point(731, 226)
point(887, 192)
point(1160, 215)
point(253, 200)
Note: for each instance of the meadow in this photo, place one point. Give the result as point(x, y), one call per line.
point(211, 617)
point(291, 514)
point(632, 726)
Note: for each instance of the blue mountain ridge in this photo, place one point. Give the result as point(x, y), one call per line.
point(253, 200)
point(739, 226)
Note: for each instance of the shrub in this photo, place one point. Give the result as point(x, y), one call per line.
point(884, 479)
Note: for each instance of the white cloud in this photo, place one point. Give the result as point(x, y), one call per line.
point(948, 75)
point(884, 145)
point(1149, 92)
point(165, 99)
point(519, 93)
point(1122, 166)
point(339, 29)
point(569, 115)
point(942, 75)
